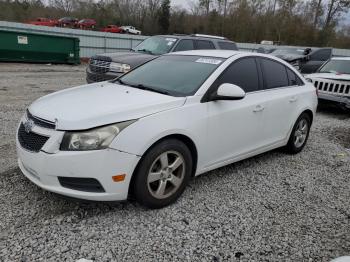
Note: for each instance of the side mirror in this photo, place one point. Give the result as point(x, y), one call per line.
point(228, 92)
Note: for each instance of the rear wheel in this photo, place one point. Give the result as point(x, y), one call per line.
point(299, 135)
point(163, 174)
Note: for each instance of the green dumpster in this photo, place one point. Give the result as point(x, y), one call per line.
point(38, 48)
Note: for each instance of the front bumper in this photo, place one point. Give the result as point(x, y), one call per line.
point(44, 168)
point(343, 100)
point(92, 77)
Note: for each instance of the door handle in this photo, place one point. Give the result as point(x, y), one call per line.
point(293, 99)
point(258, 108)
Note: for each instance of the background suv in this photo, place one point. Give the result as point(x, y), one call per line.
point(108, 66)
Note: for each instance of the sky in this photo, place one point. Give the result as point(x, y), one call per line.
point(185, 4)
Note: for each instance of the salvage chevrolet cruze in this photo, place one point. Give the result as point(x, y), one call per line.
point(148, 132)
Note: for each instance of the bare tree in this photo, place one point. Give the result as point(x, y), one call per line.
point(64, 5)
point(335, 9)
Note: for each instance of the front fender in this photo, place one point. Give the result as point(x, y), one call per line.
point(141, 135)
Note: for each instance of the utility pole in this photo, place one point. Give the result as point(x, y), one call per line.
point(224, 18)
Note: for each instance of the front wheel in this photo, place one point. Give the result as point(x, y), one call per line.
point(163, 174)
point(299, 135)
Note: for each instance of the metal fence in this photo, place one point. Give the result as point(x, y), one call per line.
point(93, 42)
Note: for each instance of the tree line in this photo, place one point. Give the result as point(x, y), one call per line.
point(290, 22)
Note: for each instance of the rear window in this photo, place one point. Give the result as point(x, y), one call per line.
point(227, 46)
point(293, 78)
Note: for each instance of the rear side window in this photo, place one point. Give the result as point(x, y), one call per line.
point(275, 74)
point(202, 44)
point(227, 46)
point(243, 73)
point(185, 45)
point(321, 55)
point(294, 80)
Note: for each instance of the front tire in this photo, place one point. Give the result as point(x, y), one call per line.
point(299, 135)
point(163, 174)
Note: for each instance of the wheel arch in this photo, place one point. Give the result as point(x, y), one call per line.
point(181, 137)
point(310, 114)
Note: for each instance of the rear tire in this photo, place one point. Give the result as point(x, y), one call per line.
point(162, 174)
point(299, 135)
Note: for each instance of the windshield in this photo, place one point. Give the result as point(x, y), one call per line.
point(336, 66)
point(156, 45)
point(289, 51)
point(172, 75)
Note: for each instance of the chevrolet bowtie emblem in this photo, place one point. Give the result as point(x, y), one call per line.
point(28, 126)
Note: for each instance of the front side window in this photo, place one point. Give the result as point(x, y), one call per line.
point(172, 74)
point(275, 74)
point(243, 73)
point(203, 44)
point(156, 45)
point(185, 45)
point(336, 66)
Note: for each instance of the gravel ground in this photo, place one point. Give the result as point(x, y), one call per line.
point(273, 207)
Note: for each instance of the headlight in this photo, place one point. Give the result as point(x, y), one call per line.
point(93, 139)
point(308, 79)
point(119, 68)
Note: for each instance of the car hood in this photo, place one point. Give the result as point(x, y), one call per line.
point(289, 57)
point(131, 58)
point(341, 77)
point(100, 104)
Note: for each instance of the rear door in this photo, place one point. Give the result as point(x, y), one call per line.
point(281, 96)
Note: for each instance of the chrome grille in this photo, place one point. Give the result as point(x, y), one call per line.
point(332, 86)
point(31, 141)
point(99, 66)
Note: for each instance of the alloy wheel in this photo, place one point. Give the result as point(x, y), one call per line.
point(166, 174)
point(300, 133)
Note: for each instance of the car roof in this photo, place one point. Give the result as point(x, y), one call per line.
point(212, 53)
point(346, 58)
point(219, 53)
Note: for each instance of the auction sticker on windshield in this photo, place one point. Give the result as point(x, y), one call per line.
point(171, 41)
point(208, 61)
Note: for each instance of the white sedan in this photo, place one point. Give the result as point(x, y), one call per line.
point(148, 132)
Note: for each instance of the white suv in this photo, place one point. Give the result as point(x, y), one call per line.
point(175, 117)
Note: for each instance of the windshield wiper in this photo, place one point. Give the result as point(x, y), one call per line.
point(148, 88)
point(120, 81)
point(146, 51)
point(143, 87)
